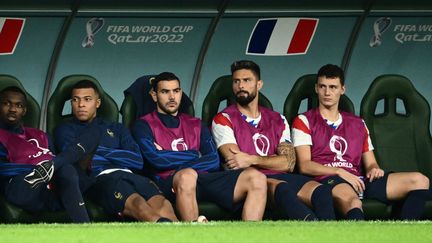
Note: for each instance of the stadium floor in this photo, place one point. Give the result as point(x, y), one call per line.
point(222, 232)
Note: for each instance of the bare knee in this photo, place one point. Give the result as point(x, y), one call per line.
point(162, 207)
point(185, 180)
point(137, 207)
point(255, 179)
point(345, 198)
point(349, 203)
point(419, 181)
point(356, 203)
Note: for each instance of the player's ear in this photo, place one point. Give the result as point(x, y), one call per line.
point(153, 95)
point(260, 84)
point(98, 102)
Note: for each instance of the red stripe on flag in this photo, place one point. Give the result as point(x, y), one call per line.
point(9, 35)
point(302, 36)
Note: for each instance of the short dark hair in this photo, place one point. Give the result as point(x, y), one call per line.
point(164, 76)
point(84, 84)
point(331, 71)
point(246, 64)
point(15, 89)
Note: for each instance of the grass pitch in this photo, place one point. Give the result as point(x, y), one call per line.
point(222, 232)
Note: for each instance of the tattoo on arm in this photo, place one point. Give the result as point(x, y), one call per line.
point(287, 149)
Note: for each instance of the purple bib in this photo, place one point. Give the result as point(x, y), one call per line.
point(341, 147)
point(262, 140)
point(185, 137)
point(31, 147)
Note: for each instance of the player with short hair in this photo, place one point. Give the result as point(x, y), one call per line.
point(334, 146)
point(32, 177)
point(183, 159)
point(252, 136)
point(116, 188)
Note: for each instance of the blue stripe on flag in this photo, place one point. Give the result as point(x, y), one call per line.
point(261, 36)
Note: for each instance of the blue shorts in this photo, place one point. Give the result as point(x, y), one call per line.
point(217, 187)
point(112, 190)
point(374, 190)
point(20, 193)
point(295, 181)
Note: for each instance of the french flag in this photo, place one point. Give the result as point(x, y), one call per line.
point(281, 36)
point(10, 32)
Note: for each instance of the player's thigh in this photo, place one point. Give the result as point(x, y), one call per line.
point(307, 190)
point(343, 195)
point(400, 184)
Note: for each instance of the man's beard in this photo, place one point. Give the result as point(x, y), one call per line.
point(167, 111)
point(244, 100)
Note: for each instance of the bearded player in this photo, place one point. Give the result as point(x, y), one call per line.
point(251, 136)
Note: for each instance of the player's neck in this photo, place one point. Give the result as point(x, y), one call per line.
point(329, 113)
point(251, 110)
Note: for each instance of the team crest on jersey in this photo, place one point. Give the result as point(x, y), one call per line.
point(261, 143)
point(118, 195)
point(110, 133)
point(179, 145)
point(42, 150)
point(339, 146)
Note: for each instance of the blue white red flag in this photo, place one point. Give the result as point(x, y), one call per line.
point(281, 36)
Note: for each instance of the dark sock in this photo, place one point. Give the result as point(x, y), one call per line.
point(163, 220)
point(84, 145)
point(355, 214)
point(287, 201)
point(66, 180)
point(414, 205)
point(322, 202)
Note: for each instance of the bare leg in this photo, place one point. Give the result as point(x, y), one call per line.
point(184, 185)
point(163, 207)
point(400, 184)
point(251, 186)
point(305, 193)
point(345, 198)
point(138, 208)
point(413, 188)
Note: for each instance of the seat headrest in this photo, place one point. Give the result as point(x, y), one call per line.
point(390, 88)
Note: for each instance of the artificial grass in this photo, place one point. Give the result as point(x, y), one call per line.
point(222, 232)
